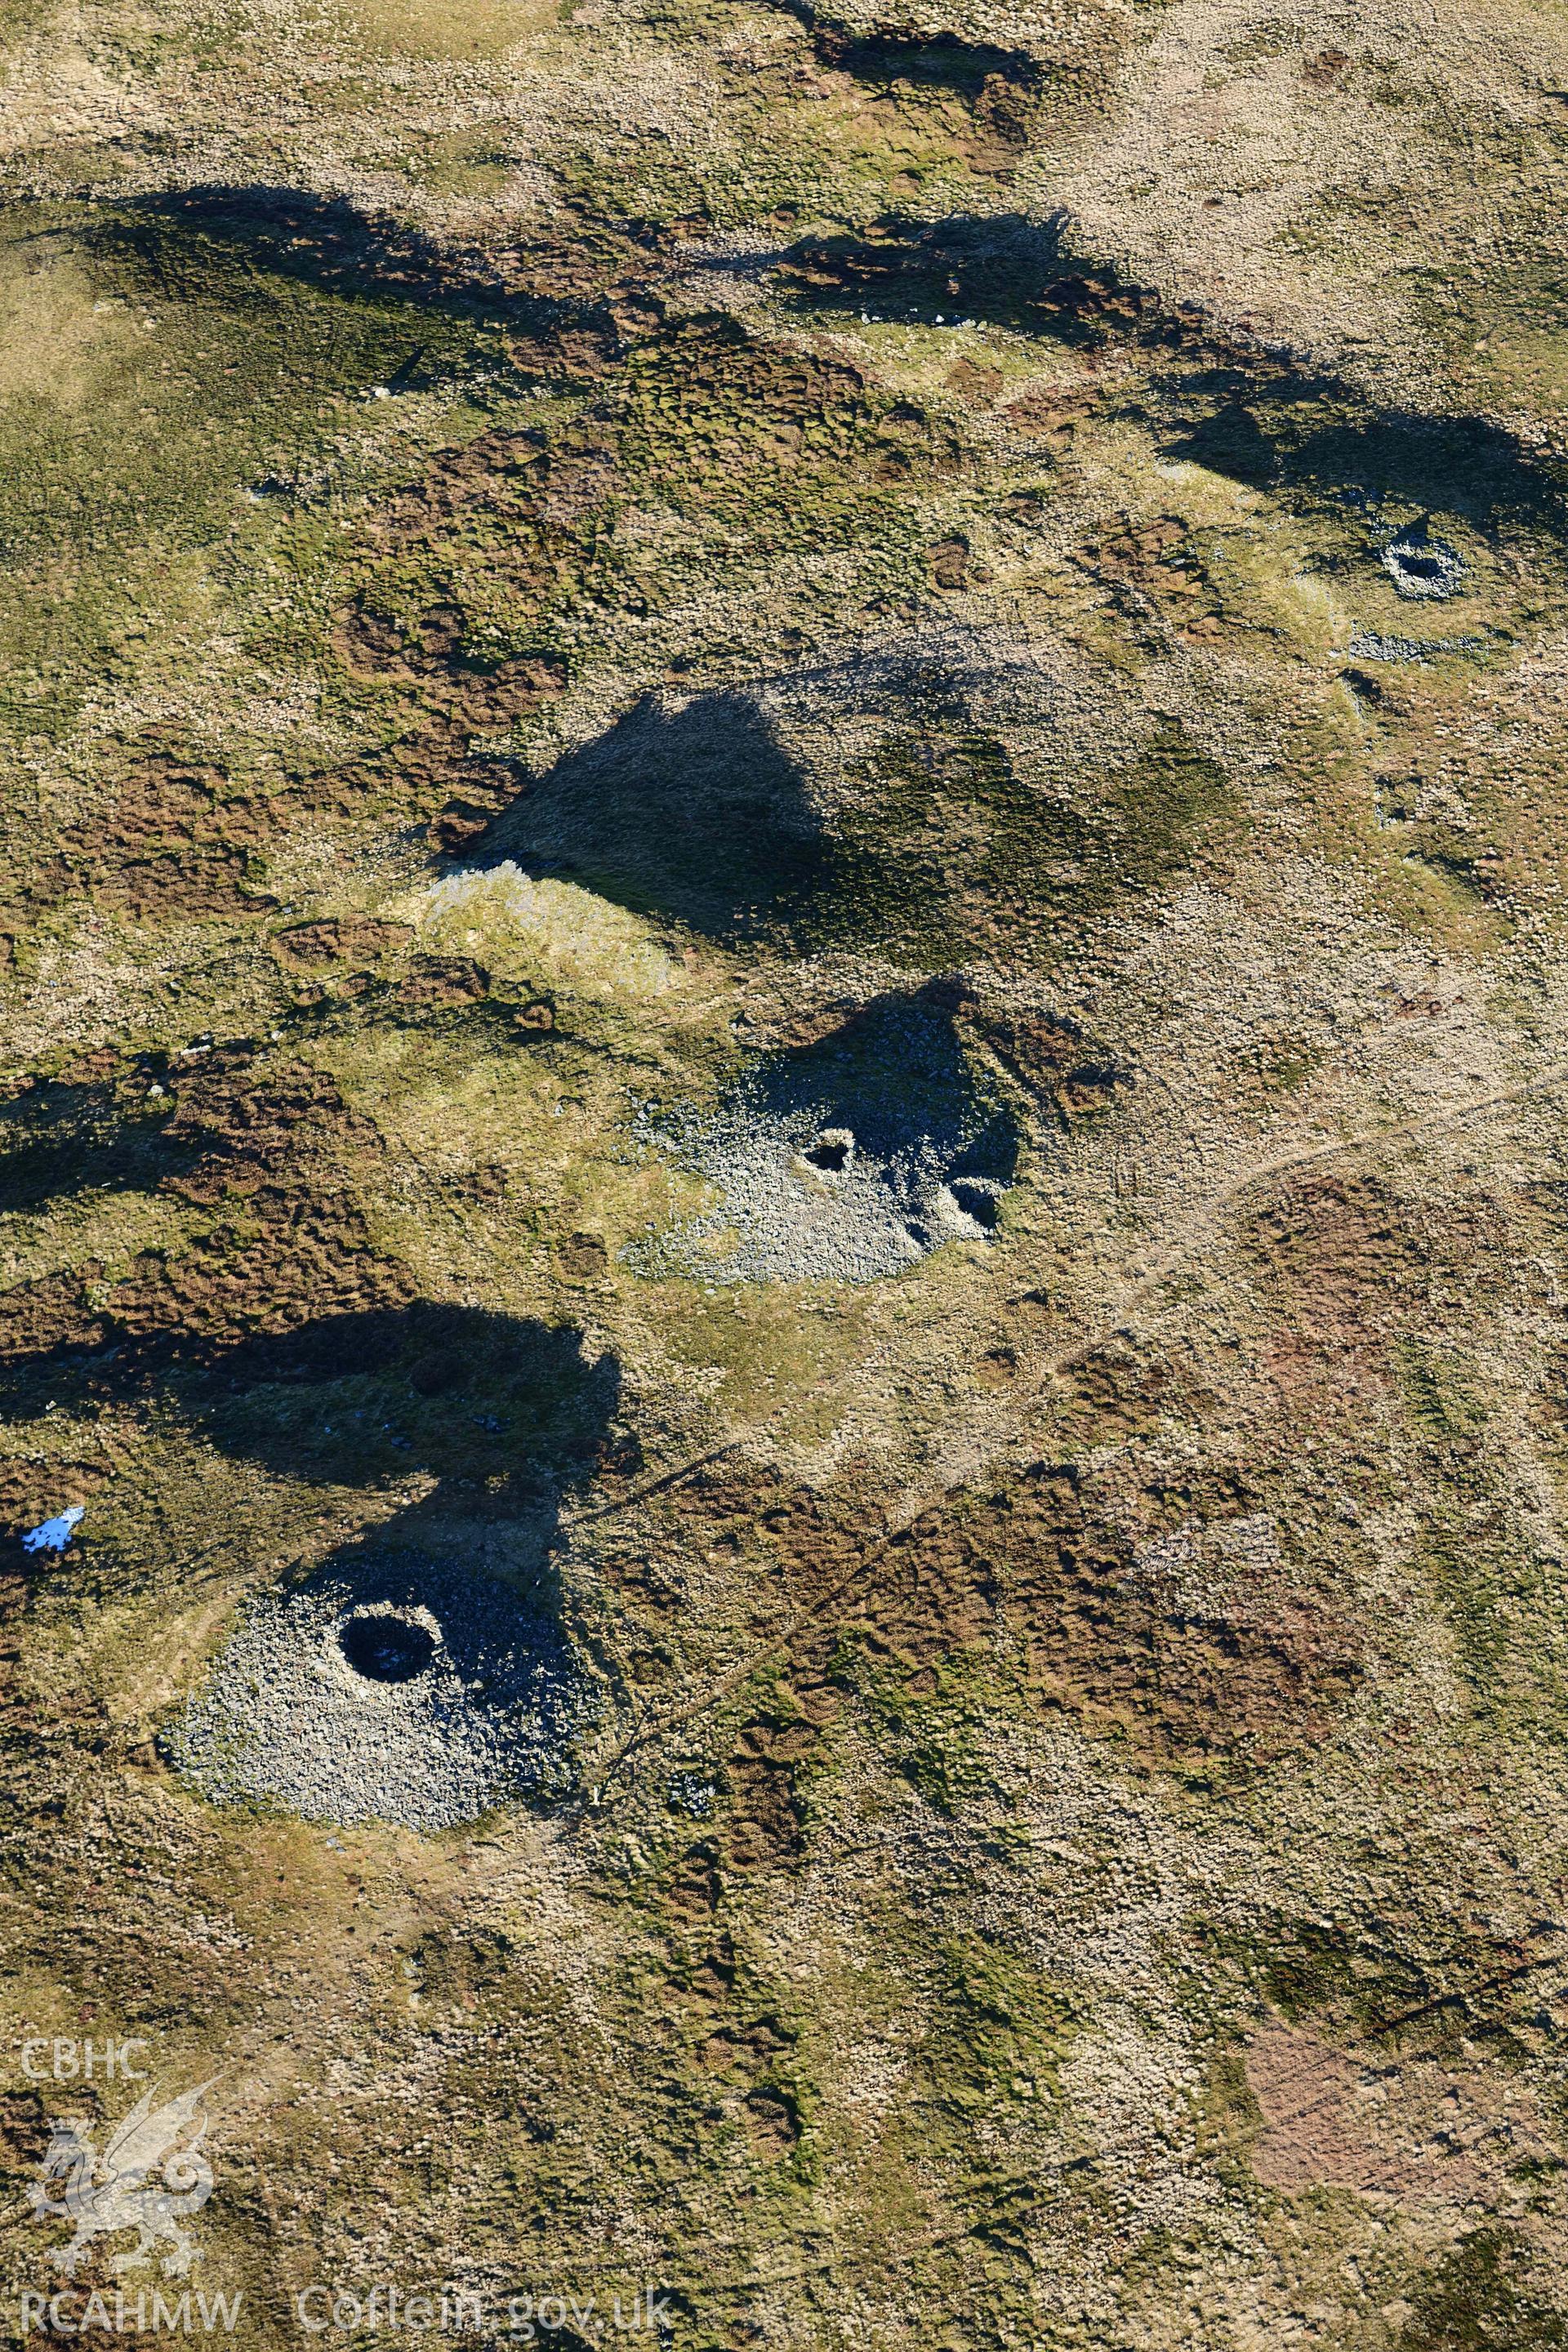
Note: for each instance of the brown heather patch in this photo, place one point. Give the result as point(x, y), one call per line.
point(1110, 1392)
point(508, 485)
point(572, 355)
point(171, 841)
point(978, 385)
point(940, 262)
point(707, 1981)
point(1244, 1674)
point(23, 2137)
point(251, 1132)
point(1350, 1266)
point(744, 2046)
point(174, 838)
point(1418, 2130)
point(14, 1596)
point(1049, 415)
point(1186, 1670)
point(177, 837)
point(342, 939)
point(702, 394)
point(1155, 563)
point(462, 693)
point(700, 408)
point(487, 787)
point(31, 1491)
point(284, 1149)
point(444, 983)
point(290, 1244)
point(1062, 1066)
point(771, 2124)
point(694, 1891)
point(1340, 1241)
point(1318, 1374)
point(766, 1817)
point(36, 1317)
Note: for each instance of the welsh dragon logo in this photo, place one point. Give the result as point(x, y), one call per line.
point(117, 2190)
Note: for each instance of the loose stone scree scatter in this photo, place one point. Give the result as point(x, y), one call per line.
point(1367, 645)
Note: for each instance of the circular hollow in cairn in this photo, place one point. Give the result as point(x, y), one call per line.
point(977, 1200)
point(385, 1646)
point(832, 1151)
point(1422, 567)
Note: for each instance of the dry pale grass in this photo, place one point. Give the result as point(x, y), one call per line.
point(449, 29)
point(545, 929)
point(57, 339)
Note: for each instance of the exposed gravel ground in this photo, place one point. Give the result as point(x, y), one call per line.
point(400, 1694)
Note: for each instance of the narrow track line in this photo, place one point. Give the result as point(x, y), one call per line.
point(1200, 1225)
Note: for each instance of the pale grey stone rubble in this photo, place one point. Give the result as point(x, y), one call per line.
point(1420, 566)
point(783, 1215)
point(397, 1692)
point(846, 1161)
point(1366, 645)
